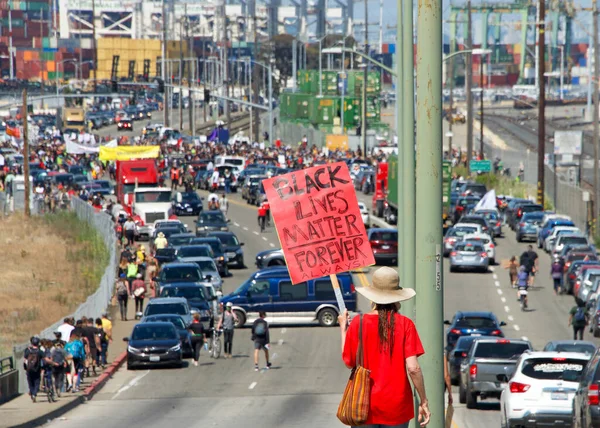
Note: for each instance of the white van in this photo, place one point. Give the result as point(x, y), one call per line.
point(238, 161)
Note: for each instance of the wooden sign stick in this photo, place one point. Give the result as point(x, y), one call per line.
point(338, 293)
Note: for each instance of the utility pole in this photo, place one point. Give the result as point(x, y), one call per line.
point(363, 127)
point(481, 107)
point(451, 87)
point(94, 47)
point(26, 154)
point(596, 139)
point(469, 89)
point(255, 81)
point(10, 44)
point(181, 75)
point(190, 55)
point(429, 256)
point(542, 99)
point(42, 61)
point(163, 66)
point(226, 70)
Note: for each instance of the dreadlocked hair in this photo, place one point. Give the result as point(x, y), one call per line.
point(386, 326)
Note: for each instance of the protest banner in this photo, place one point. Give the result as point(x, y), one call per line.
point(318, 222)
point(128, 152)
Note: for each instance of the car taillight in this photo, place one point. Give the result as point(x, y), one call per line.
point(498, 224)
point(559, 359)
point(593, 396)
point(459, 208)
point(572, 276)
point(522, 224)
point(492, 246)
point(484, 254)
point(518, 387)
point(453, 253)
point(455, 331)
point(464, 354)
point(352, 288)
point(496, 333)
point(473, 370)
point(505, 341)
point(519, 213)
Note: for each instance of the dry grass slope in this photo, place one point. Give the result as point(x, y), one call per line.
point(49, 267)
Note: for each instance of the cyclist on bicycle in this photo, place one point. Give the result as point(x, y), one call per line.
point(529, 259)
point(198, 334)
point(262, 217)
point(522, 283)
point(267, 207)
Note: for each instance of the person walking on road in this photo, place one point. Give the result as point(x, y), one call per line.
point(122, 293)
point(391, 346)
point(578, 318)
point(90, 332)
point(556, 272)
point(224, 204)
point(32, 363)
point(65, 329)
point(530, 260)
point(197, 330)
point(150, 274)
point(138, 289)
point(262, 218)
point(513, 270)
point(227, 323)
point(129, 228)
point(76, 350)
point(160, 242)
point(261, 338)
point(101, 358)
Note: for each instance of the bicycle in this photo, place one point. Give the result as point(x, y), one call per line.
point(214, 348)
point(49, 384)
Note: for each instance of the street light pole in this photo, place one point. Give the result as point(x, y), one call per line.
point(363, 129)
point(481, 107)
point(469, 90)
point(542, 99)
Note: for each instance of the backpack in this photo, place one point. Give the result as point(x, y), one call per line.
point(580, 315)
point(121, 288)
point(58, 355)
point(261, 328)
point(34, 362)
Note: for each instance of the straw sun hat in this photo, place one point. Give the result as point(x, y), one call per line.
point(386, 288)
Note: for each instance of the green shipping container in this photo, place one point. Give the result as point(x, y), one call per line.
point(48, 56)
point(16, 23)
point(300, 106)
point(329, 82)
point(305, 81)
point(355, 80)
point(284, 101)
point(52, 75)
point(352, 111)
point(323, 110)
point(35, 6)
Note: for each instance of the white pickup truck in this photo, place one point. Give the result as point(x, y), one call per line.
point(149, 205)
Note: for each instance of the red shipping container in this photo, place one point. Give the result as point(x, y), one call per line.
point(512, 79)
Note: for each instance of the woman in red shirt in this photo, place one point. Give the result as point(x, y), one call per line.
point(391, 346)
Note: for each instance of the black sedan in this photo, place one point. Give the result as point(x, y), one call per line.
point(211, 221)
point(189, 204)
point(184, 334)
point(153, 344)
point(165, 255)
point(125, 125)
point(232, 247)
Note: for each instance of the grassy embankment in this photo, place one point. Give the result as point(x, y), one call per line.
point(50, 265)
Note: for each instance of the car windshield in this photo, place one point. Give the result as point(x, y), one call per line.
point(190, 197)
point(462, 231)
point(167, 308)
point(476, 322)
point(185, 292)
point(165, 252)
point(500, 349)
point(150, 332)
point(214, 244)
point(180, 240)
point(469, 247)
point(483, 241)
point(194, 252)
point(103, 184)
point(153, 196)
point(569, 369)
point(207, 266)
point(176, 321)
point(181, 273)
point(384, 236)
point(212, 218)
point(570, 240)
point(582, 348)
point(490, 215)
point(229, 240)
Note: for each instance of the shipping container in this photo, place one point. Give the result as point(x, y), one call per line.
point(322, 110)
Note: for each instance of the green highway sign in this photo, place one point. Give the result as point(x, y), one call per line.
point(446, 183)
point(481, 165)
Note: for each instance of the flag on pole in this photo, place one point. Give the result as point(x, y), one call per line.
point(488, 202)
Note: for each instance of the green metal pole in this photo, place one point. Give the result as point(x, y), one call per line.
point(408, 306)
point(407, 168)
point(430, 302)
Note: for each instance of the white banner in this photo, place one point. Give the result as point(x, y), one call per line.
point(74, 148)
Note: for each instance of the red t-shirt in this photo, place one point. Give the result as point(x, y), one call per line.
point(391, 394)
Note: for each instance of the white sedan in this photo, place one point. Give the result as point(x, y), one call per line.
point(558, 230)
point(541, 390)
point(487, 242)
point(364, 213)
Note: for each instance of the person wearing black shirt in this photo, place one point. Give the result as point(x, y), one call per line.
point(529, 259)
point(91, 334)
point(198, 332)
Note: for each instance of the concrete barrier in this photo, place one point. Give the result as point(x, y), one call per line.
point(9, 379)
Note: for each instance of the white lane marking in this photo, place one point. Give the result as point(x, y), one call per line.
point(280, 342)
point(492, 268)
point(499, 292)
point(495, 276)
point(255, 232)
point(507, 309)
point(497, 283)
point(524, 338)
point(264, 238)
point(237, 224)
point(283, 330)
point(517, 327)
point(511, 318)
point(272, 245)
point(503, 299)
point(245, 228)
point(274, 356)
point(131, 384)
point(252, 385)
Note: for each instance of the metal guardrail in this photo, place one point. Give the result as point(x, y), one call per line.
point(7, 364)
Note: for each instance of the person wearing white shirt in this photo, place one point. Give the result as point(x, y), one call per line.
point(65, 330)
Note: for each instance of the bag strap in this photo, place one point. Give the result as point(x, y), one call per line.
point(359, 352)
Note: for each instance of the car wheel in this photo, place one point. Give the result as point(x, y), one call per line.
point(493, 261)
point(130, 366)
point(241, 319)
point(539, 244)
point(327, 317)
point(519, 239)
point(452, 268)
point(462, 393)
point(241, 263)
point(471, 400)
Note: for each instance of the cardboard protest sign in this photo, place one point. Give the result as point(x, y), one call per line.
point(318, 222)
